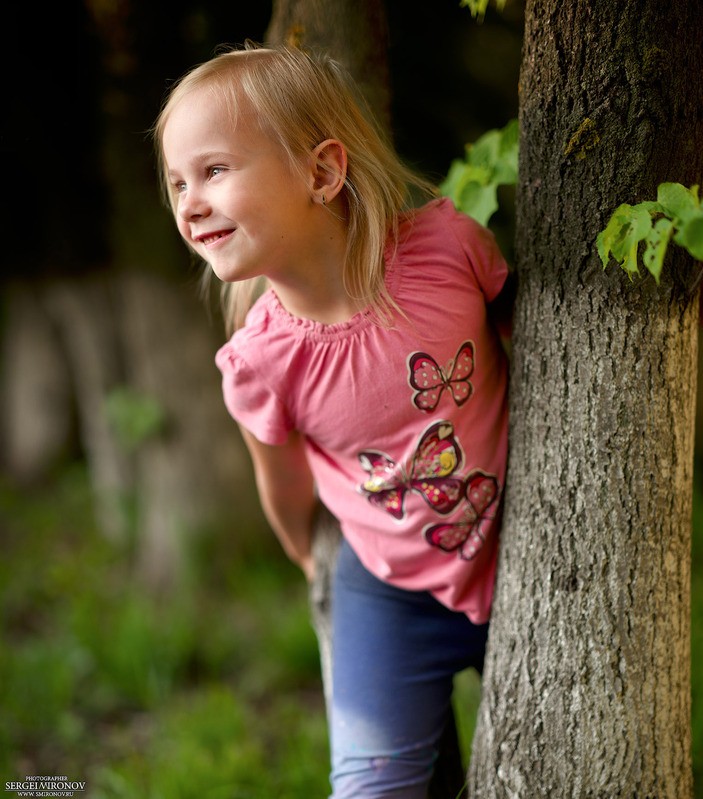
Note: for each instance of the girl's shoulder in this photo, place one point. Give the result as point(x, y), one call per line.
point(436, 219)
point(439, 226)
point(437, 233)
point(247, 339)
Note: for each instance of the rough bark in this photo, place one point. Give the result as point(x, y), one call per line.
point(586, 691)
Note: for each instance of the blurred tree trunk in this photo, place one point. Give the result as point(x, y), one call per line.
point(36, 391)
point(355, 33)
point(193, 472)
point(586, 691)
point(109, 300)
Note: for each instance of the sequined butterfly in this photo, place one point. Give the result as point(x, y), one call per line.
point(438, 456)
point(430, 380)
point(466, 536)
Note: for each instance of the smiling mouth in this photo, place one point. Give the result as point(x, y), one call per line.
point(211, 238)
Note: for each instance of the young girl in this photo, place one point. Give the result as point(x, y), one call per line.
point(367, 375)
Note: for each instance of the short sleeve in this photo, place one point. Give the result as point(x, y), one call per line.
point(249, 400)
point(482, 251)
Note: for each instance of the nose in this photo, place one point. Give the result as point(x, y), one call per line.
point(192, 205)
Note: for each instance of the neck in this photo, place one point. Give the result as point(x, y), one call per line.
point(315, 290)
point(323, 301)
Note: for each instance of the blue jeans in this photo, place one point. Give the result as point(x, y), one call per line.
point(395, 654)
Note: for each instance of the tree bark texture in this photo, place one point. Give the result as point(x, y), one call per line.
point(586, 691)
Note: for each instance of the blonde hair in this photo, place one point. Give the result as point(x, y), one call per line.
point(301, 99)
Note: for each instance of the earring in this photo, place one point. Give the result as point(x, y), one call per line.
point(324, 200)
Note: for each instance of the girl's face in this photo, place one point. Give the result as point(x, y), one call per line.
point(237, 201)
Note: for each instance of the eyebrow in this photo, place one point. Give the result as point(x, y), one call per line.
point(204, 158)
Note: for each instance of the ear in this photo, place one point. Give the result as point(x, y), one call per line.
point(329, 170)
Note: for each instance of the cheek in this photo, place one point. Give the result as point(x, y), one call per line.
point(182, 226)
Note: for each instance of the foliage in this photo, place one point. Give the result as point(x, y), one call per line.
point(134, 417)
point(633, 231)
point(194, 694)
point(677, 214)
point(491, 161)
point(478, 7)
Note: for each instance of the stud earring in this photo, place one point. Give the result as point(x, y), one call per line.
point(324, 200)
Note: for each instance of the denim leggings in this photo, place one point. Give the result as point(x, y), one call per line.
point(395, 654)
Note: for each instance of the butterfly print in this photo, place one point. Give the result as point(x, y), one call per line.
point(466, 536)
point(430, 380)
point(438, 456)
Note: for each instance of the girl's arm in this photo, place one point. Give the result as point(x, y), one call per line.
point(286, 493)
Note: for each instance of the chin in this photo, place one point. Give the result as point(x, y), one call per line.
point(229, 275)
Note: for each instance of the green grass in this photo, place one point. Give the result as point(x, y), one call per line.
point(211, 693)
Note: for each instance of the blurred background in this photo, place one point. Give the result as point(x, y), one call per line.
point(154, 641)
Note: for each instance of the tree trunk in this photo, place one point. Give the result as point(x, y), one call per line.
point(355, 33)
point(586, 691)
point(195, 472)
point(36, 402)
point(352, 31)
point(83, 314)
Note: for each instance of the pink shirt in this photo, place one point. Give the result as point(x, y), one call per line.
point(406, 427)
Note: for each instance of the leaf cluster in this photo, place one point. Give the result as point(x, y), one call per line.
point(491, 161)
point(648, 227)
point(134, 417)
point(478, 7)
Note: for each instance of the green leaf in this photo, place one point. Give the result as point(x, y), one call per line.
point(460, 173)
point(676, 214)
point(656, 245)
point(629, 225)
point(509, 149)
point(479, 202)
point(690, 235)
point(491, 161)
point(607, 236)
point(478, 7)
point(678, 202)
